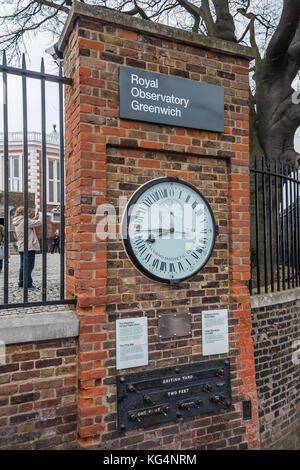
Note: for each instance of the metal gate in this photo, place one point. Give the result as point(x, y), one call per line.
point(275, 226)
point(41, 78)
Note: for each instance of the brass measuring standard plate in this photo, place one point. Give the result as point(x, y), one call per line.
point(152, 397)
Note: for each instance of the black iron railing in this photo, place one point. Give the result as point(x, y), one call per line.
point(275, 226)
point(42, 78)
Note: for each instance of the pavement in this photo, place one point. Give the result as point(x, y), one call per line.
point(34, 295)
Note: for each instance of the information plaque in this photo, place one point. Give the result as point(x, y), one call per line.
point(165, 99)
point(132, 342)
point(214, 332)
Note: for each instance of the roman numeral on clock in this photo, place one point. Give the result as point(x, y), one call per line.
point(142, 249)
point(148, 202)
point(155, 196)
point(155, 263)
point(172, 268)
point(163, 266)
point(148, 257)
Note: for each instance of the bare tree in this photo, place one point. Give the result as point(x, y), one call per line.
point(271, 27)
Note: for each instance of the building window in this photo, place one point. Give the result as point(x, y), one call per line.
point(53, 181)
point(14, 174)
point(55, 218)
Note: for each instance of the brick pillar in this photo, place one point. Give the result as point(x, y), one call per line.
point(107, 157)
point(239, 262)
point(85, 255)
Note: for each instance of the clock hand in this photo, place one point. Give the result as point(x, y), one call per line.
point(164, 231)
point(185, 233)
point(151, 237)
point(164, 206)
point(154, 229)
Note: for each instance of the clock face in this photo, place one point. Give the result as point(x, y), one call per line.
point(168, 230)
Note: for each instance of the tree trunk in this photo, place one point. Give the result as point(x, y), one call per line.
point(277, 118)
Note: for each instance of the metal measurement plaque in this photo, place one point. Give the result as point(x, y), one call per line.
point(174, 325)
point(153, 397)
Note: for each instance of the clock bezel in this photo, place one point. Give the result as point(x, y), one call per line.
point(126, 239)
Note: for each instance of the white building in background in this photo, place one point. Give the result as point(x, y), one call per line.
point(16, 183)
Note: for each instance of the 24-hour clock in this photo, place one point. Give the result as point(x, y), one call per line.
point(168, 230)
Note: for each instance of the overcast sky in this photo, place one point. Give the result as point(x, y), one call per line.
point(36, 49)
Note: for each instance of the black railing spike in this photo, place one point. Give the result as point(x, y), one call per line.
point(5, 180)
point(23, 61)
point(4, 62)
point(42, 65)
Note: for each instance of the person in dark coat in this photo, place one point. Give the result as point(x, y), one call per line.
point(55, 242)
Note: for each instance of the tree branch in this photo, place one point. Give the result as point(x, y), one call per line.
point(285, 32)
point(192, 10)
point(26, 19)
point(294, 57)
point(200, 13)
point(294, 49)
point(205, 12)
point(253, 42)
point(224, 26)
point(246, 31)
point(137, 10)
point(50, 4)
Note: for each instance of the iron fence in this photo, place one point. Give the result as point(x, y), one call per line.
point(42, 77)
point(275, 226)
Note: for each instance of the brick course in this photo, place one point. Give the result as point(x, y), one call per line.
point(108, 157)
point(38, 386)
point(275, 329)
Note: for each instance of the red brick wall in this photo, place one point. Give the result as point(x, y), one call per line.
point(38, 386)
point(107, 157)
point(275, 333)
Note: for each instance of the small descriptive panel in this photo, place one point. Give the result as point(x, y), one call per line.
point(132, 342)
point(214, 332)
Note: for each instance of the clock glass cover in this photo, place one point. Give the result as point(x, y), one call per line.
point(168, 230)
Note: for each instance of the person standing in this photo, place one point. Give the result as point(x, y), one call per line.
point(55, 242)
point(33, 243)
point(1, 244)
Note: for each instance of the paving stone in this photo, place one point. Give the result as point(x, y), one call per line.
point(34, 295)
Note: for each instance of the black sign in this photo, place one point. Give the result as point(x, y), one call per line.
point(152, 397)
point(163, 99)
